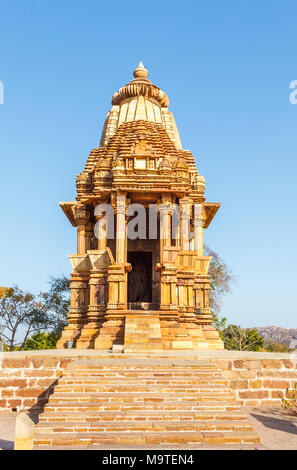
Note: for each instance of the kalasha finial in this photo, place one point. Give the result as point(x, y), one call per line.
point(141, 71)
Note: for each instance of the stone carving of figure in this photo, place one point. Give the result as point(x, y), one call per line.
point(98, 294)
point(76, 298)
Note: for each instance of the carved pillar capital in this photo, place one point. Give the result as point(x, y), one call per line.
point(82, 219)
point(198, 215)
point(185, 205)
point(119, 203)
point(81, 214)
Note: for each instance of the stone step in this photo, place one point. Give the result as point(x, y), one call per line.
point(147, 375)
point(139, 397)
point(147, 388)
point(97, 404)
point(144, 415)
point(153, 364)
point(134, 438)
point(163, 446)
point(122, 407)
point(142, 369)
point(185, 381)
point(124, 426)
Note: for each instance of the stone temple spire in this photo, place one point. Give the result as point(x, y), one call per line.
point(140, 100)
point(117, 276)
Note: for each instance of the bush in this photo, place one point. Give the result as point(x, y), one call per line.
point(273, 346)
point(42, 340)
point(290, 400)
point(242, 339)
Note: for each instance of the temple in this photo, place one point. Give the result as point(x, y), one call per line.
point(140, 282)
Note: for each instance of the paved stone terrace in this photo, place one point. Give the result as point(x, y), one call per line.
point(209, 354)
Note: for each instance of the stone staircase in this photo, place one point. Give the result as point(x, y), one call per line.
point(142, 333)
point(141, 402)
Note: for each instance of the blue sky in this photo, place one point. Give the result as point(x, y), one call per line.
point(226, 67)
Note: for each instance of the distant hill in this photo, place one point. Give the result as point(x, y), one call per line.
point(287, 337)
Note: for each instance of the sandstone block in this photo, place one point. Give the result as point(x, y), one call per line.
point(272, 364)
point(238, 364)
point(277, 394)
point(13, 383)
point(239, 384)
point(276, 384)
point(254, 394)
point(247, 374)
point(253, 365)
point(255, 383)
point(29, 392)
point(15, 363)
point(7, 393)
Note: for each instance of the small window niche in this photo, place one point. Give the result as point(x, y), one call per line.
point(140, 163)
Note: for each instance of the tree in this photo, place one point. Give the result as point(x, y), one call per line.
point(219, 323)
point(42, 340)
point(21, 314)
point(242, 339)
point(57, 301)
point(221, 279)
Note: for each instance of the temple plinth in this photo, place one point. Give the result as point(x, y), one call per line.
point(139, 278)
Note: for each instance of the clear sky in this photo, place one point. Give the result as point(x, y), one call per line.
point(226, 66)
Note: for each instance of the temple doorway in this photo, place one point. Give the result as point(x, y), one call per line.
point(140, 278)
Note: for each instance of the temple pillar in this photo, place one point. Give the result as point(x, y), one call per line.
point(112, 328)
point(165, 223)
point(82, 217)
point(120, 211)
point(79, 300)
point(79, 288)
point(198, 229)
point(102, 232)
point(168, 288)
point(185, 207)
point(98, 289)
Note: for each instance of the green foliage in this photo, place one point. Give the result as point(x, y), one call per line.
point(241, 339)
point(220, 324)
point(289, 402)
point(3, 345)
point(273, 346)
point(42, 340)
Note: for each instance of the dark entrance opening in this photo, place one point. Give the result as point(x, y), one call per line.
point(140, 278)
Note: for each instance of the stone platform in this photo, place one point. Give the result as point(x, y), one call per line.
point(27, 378)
